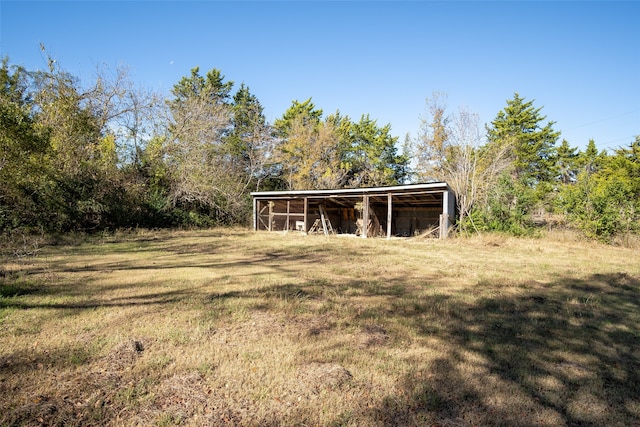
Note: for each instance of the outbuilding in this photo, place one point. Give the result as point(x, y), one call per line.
point(403, 210)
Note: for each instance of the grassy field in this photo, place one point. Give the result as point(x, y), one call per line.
point(232, 327)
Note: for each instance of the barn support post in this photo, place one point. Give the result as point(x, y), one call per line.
point(255, 214)
point(389, 214)
point(444, 218)
point(271, 215)
point(305, 210)
point(288, 213)
point(365, 216)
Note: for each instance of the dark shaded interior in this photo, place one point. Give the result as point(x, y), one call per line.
point(411, 213)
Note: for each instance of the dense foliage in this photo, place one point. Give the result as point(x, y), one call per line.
point(519, 179)
point(109, 155)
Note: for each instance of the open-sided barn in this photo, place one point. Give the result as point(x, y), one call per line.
point(404, 210)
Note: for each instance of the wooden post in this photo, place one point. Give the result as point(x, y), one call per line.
point(306, 208)
point(288, 206)
point(323, 221)
point(365, 216)
point(389, 214)
point(255, 214)
point(270, 215)
point(444, 218)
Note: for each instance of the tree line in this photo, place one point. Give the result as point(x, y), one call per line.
point(514, 176)
point(111, 155)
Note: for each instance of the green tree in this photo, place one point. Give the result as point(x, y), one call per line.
point(532, 143)
point(204, 177)
point(567, 163)
point(530, 146)
point(251, 140)
point(507, 207)
point(605, 202)
point(298, 111)
point(78, 187)
point(311, 150)
point(23, 150)
point(591, 160)
point(71, 147)
point(372, 158)
point(210, 88)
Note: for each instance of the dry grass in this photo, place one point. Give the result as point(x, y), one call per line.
point(241, 328)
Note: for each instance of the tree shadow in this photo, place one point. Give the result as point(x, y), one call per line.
point(560, 353)
point(567, 353)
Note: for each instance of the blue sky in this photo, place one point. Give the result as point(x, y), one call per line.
point(580, 61)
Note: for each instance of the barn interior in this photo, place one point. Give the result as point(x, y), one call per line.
point(398, 211)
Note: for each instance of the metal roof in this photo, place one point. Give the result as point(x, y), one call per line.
point(345, 192)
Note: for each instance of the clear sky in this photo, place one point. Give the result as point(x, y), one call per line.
point(580, 61)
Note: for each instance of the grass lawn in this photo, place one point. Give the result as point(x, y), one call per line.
point(255, 329)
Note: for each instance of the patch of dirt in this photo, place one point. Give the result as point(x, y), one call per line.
point(187, 398)
point(373, 336)
point(255, 328)
point(182, 393)
point(318, 376)
point(318, 326)
point(124, 355)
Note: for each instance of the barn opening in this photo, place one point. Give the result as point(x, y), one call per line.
point(406, 210)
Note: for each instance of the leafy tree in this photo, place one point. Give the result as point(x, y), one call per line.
point(507, 207)
point(70, 148)
point(218, 148)
point(76, 191)
point(204, 178)
point(567, 163)
point(305, 111)
point(251, 140)
point(336, 152)
point(311, 151)
point(23, 149)
point(372, 158)
point(311, 155)
point(605, 201)
point(210, 88)
point(532, 143)
point(591, 160)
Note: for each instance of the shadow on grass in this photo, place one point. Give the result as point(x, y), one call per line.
point(17, 289)
point(154, 298)
point(24, 361)
point(562, 354)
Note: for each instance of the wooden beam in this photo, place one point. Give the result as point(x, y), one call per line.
point(444, 218)
point(323, 221)
point(261, 206)
point(288, 208)
point(306, 210)
point(389, 214)
point(255, 214)
point(365, 216)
